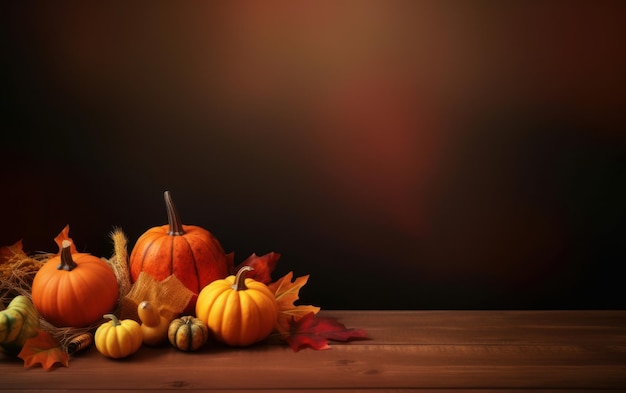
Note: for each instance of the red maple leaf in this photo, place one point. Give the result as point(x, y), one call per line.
point(286, 294)
point(43, 349)
point(263, 266)
point(315, 332)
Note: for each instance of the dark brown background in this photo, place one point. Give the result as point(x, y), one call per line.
point(406, 154)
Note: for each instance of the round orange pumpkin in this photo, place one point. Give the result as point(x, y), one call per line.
point(190, 253)
point(239, 311)
point(74, 290)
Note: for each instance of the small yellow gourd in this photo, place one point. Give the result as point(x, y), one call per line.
point(18, 323)
point(239, 311)
point(153, 325)
point(188, 333)
point(118, 339)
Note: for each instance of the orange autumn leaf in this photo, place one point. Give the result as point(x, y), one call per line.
point(286, 293)
point(65, 235)
point(8, 252)
point(43, 349)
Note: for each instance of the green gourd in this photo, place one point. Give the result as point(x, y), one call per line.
point(188, 333)
point(18, 323)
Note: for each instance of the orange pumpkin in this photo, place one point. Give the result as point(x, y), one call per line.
point(190, 253)
point(74, 290)
point(239, 311)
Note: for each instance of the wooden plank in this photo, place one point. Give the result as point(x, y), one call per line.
point(489, 327)
point(419, 351)
point(417, 390)
point(175, 390)
point(345, 366)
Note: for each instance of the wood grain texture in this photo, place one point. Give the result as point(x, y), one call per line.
point(473, 351)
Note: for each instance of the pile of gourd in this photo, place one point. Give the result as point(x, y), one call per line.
point(78, 290)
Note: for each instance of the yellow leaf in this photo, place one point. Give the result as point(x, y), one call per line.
point(170, 295)
point(286, 293)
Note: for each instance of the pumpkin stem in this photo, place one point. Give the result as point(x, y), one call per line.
point(176, 227)
point(240, 279)
point(116, 322)
point(67, 263)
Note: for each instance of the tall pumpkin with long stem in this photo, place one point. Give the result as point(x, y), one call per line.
point(190, 253)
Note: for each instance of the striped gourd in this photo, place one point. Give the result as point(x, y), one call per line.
point(19, 322)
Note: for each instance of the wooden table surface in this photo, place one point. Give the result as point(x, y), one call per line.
point(438, 351)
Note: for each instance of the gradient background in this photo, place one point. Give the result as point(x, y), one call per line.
point(406, 154)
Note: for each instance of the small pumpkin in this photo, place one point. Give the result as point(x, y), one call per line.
point(74, 290)
point(118, 339)
point(188, 333)
point(190, 253)
point(153, 325)
point(18, 322)
point(239, 311)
